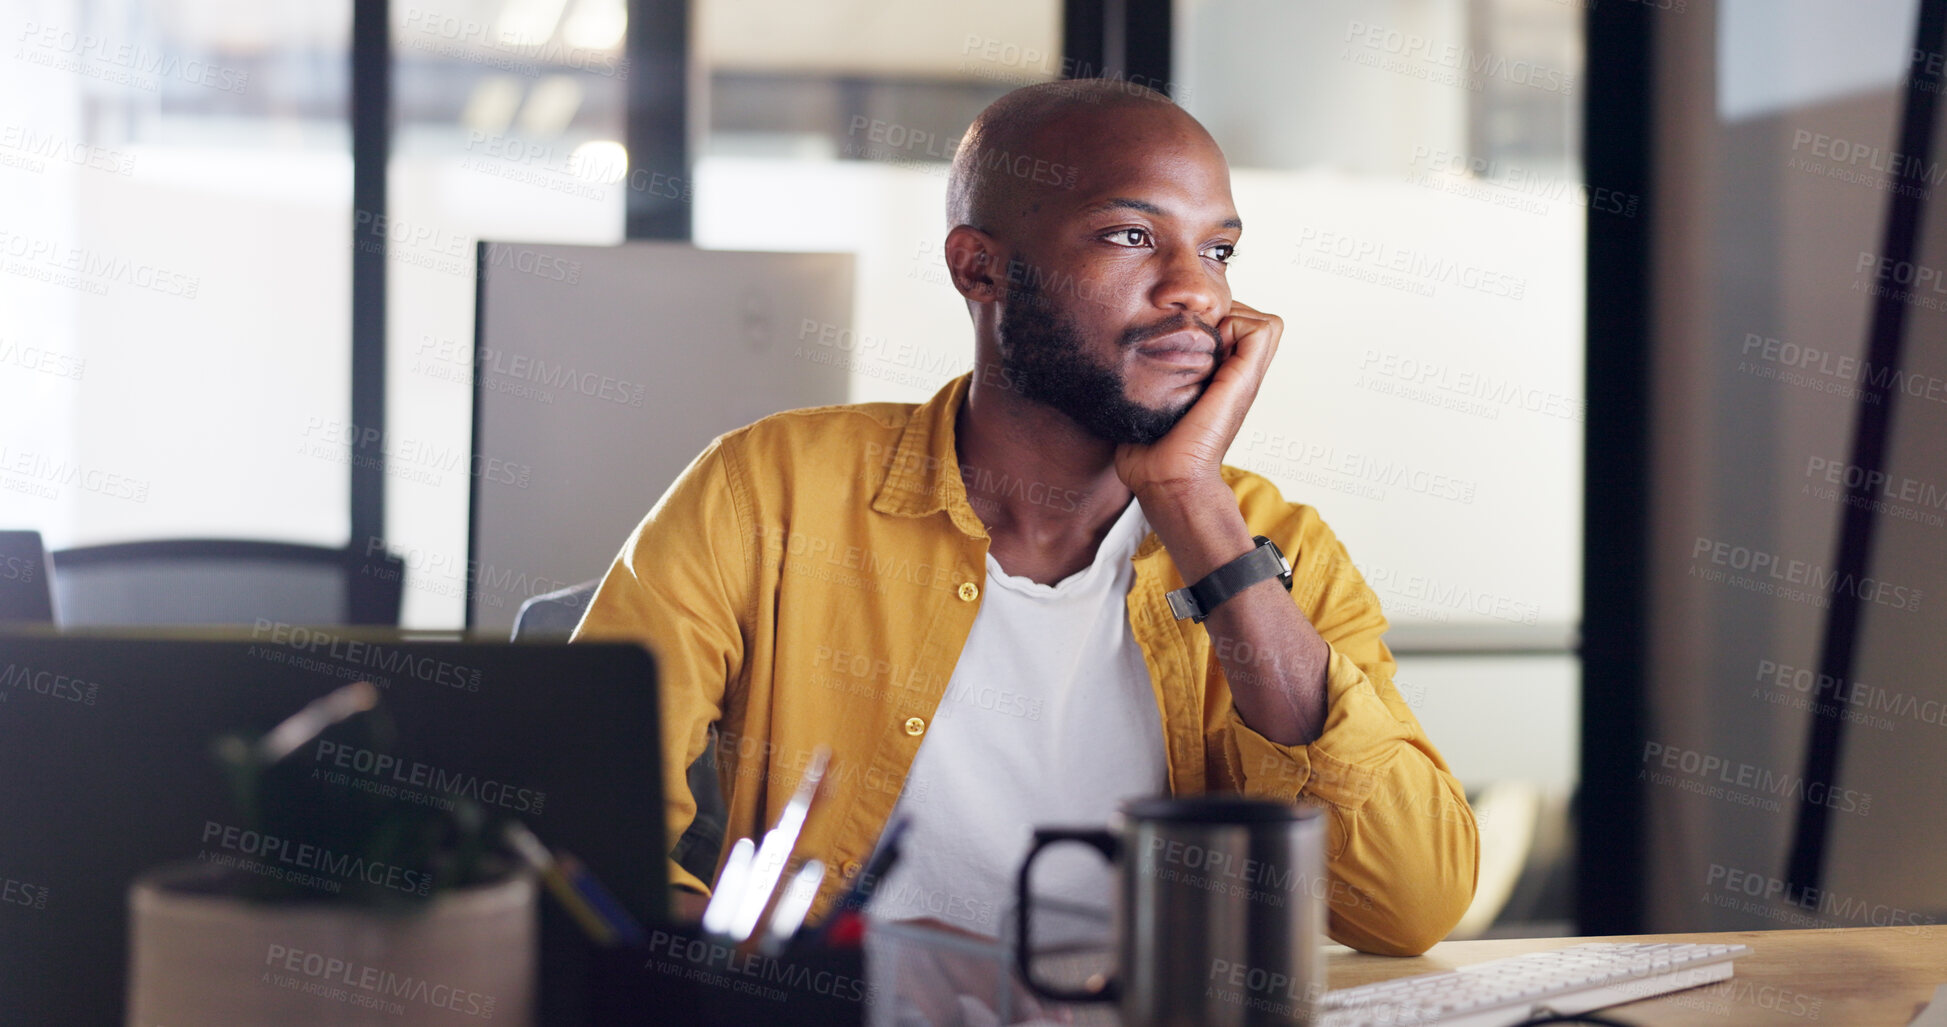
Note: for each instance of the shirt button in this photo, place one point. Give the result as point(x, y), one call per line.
point(915, 726)
point(851, 868)
point(969, 591)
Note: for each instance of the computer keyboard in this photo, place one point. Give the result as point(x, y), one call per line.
point(1503, 992)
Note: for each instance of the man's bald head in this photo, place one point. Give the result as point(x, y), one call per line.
point(1013, 151)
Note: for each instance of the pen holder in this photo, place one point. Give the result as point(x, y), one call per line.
point(682, 976)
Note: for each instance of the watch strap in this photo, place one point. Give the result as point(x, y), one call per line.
point(1201, 599)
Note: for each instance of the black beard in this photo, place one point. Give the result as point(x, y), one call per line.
point(1043, 358)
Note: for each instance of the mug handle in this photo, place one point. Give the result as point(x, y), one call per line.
point(1101, 841)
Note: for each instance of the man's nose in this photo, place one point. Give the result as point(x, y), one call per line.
point(1189, 285)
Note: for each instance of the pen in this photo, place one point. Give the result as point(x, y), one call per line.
point(537, 856)
point(618, 920)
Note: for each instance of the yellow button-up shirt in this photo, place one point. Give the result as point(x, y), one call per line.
point(810, 581)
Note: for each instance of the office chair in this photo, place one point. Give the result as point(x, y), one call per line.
point(553, 616)
point(24, 592)
point(224, 581)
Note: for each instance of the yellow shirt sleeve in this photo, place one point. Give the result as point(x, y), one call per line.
point(682, 585)
point(1402, 847)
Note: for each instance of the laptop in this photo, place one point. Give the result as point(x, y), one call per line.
point(106, 757)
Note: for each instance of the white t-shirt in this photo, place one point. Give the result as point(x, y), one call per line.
point(1049, 720)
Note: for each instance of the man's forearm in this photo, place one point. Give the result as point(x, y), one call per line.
point(1273, 658)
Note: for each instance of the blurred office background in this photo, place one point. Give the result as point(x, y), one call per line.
point(179, 348)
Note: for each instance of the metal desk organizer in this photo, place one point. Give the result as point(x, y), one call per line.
point(681, 975)
point(919, 973)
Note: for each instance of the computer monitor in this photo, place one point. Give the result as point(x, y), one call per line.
point(106, 759)
point(593, 390)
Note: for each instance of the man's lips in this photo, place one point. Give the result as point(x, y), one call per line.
point(1187, 349)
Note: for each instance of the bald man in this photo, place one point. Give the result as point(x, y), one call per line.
point(1042, 592)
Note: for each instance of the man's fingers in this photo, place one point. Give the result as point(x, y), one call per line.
point(1257, 342)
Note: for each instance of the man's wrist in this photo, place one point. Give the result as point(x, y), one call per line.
point(1199, 523)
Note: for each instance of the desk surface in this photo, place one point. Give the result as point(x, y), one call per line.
point(1863, 976)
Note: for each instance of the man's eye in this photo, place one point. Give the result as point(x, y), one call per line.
point(1130, 236)
point(1221, 252)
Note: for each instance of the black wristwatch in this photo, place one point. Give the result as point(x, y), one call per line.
point(1199, 600)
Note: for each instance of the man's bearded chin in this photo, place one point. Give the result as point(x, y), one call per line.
point(1042, 356)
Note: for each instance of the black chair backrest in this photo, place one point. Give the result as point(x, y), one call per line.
point(26, 597)
point(225, 581)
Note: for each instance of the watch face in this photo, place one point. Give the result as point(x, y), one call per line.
point(1284, 565)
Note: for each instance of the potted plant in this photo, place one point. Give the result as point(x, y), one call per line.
point(329, 902)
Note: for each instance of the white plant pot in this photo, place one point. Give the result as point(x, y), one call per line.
point(199, 957)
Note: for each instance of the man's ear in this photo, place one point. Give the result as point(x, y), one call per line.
point(974, 260)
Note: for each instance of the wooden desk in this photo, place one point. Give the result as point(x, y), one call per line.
point(1855, 976)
